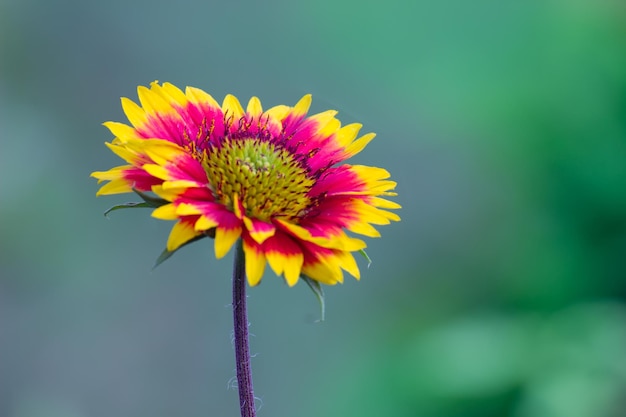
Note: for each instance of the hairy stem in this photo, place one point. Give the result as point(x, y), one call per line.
point(242, 349)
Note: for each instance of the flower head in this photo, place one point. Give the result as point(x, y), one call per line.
point(273, 178)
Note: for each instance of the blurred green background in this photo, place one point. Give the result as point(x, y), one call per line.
point(501, 292)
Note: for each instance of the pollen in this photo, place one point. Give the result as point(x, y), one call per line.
point(267, 179)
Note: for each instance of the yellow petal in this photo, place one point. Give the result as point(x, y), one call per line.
point(156, 171)
point(278, 112)
point(339, 241)
point(123, 152)
point(370, 173)
point(255, 263)
point(326, 119)
point(254, 107)
point(374, 215)
point(204, 223)
point(112, 174)
point(288, 263)
point(364, 229)
point(293, 268)
point(136, 115)
point(160, 151)
point(152, 102)
point(382, 203)
point(168, 195)
point(302, 106)
point(168, 185)
point(325, 270)
point(225, 239)
point(121, 130)
point(181, 233)
point(327, 123)
point(359, 144)
point(238, 208)
point(186, 209)
point(259, 235)
point(346, 134)
point(198, 96)
point(115, 187)
point(232, 107)
point(171, 93)
point(165, 212)
point(348, 264)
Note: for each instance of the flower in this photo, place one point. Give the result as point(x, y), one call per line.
point(273, 178)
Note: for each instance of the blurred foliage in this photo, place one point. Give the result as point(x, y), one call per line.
point(500, 293)
point(564, 364)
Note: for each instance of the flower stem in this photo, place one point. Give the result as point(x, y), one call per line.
point(242, 349)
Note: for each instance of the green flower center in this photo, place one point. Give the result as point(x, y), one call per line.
point(268, 181)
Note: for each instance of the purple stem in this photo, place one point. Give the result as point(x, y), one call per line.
point(242, 349)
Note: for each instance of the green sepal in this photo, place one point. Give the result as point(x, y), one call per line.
point(366, 256)
point(166, 254)
point(148, 202)
point(317, 289)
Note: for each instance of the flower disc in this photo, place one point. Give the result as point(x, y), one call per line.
point(269, 182)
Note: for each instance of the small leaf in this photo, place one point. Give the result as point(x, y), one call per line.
point(125, 205)
point(151, 201)
point(148, 202)
point(165, 255)
point(364, 254)
point(317, 289)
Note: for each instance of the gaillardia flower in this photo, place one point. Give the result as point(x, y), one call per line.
point(273, 178)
